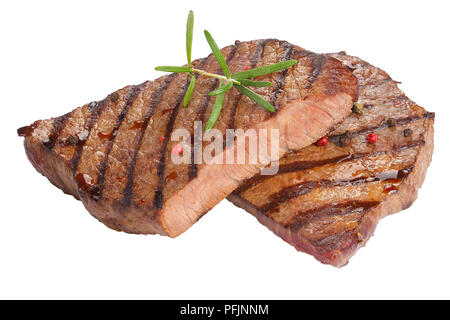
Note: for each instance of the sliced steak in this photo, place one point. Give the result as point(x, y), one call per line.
point(327, 200)
point(115, 154)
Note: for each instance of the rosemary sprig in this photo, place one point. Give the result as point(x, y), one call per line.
point(189, 36)
point(221, 90)
point(240, 80)
point(189, 91)
point(255, 97)
point(219, 57)
point(173, 69)
point(261, 71)
point(258, 84)
point(215, 112)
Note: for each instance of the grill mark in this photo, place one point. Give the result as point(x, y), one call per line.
point(158, 199)
point(96, 191)
point(304, 188)
point(58, 125)
point(340, 209)
point(255, 58)
point(411, 145)
point(305, 165)
point(400, 121)
point(193, 168)
point(317, 63)
point(291, 167)
point(280, 82)
point(96, 109)
point(155, 101)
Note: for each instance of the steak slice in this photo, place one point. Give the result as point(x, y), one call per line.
point(115, 154)
point(327, 201)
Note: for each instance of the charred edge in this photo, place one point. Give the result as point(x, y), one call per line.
point(429, 115)
point(304, 188)
point(303, 218)
point(281, 83)
point(255, 58)
point(96, 109)
point(58, 125)
point(317, 63)
point(155, 101)
point(159, 199)
point(26, 131)
point(133, 94)
point(193, 168)
point(305, 165)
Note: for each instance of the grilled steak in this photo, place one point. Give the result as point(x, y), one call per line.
point(327, 200)
point(114, 154)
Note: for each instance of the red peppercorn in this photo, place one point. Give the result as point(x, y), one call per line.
point(372, 138)
point(177, 149)
point(322, 141)
point(247, 68)
point(161, 139)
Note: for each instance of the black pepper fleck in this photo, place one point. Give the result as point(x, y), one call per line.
point(391, 122)
point(71, 141)
point(114, 97)
point(407, 132)
point(93, 105)
point(345, 140)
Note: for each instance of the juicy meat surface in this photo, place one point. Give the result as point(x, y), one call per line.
point(115, 154)
point(327, 200)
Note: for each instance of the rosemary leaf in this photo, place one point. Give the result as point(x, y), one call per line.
point(188, 95)
point(217, 108)
point(251, 83)
point(189, 36)
point(219, 57)
point(173, 69)
point(255, 97)
point(252, 73)
point(221, 90)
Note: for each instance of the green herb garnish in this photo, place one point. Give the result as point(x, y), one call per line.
point(189, 91)
point(189, 36)
point(357, 108)
point(255, 97)
point(173, 69)
point(222, 89)
point(261, 71)
point(240, 80)
point(217, 108)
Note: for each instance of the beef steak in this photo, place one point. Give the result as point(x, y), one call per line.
point(114, 154)
point(327, 200)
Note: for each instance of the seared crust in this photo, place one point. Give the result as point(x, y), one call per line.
point(114, 154)
point(327, 201)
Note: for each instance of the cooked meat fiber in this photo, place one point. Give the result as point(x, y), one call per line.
point(327, 201)
point(114, 154)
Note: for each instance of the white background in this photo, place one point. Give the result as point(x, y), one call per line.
point(57, 55)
